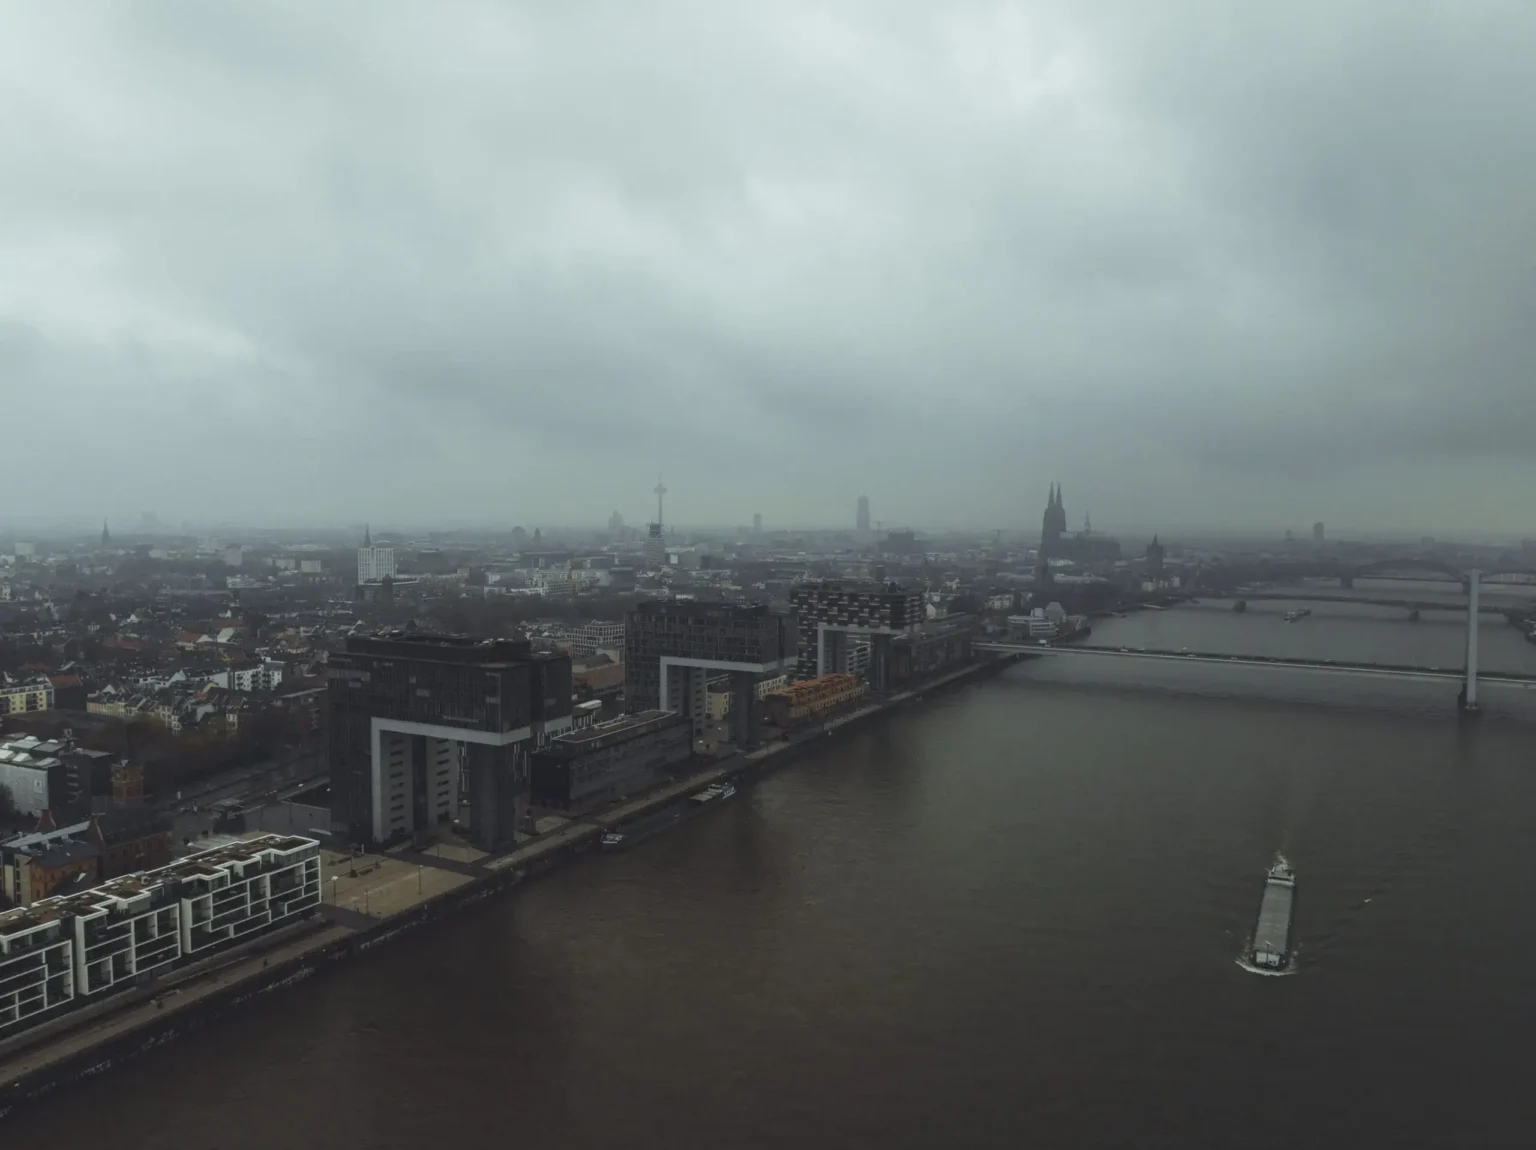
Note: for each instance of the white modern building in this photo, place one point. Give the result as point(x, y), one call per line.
point(61, 952)
point(375, 564)
point(598, 635)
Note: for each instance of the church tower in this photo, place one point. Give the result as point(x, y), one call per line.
point(1155, 560)
point(1054, 525)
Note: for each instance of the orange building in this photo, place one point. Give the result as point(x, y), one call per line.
point(811, 698)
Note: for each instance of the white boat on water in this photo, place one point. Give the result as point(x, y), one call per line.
point(714, 792)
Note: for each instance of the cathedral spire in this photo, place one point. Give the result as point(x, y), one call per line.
point(105, 537)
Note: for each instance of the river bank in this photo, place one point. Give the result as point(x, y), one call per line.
point(75, 1047)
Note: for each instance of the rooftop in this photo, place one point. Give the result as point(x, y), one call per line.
point(616, 731)
point(204, 864)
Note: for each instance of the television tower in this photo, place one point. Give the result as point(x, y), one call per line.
point(655, 546)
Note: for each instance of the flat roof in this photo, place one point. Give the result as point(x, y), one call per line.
point(613, 727)
point(203, 864)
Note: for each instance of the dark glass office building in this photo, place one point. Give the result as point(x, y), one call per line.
point(672, 650)
point(423, 725)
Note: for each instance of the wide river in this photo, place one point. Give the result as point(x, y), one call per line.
point(1011, 916)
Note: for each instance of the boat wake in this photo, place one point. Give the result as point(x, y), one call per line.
point(1266, 971)
point(1245, 961)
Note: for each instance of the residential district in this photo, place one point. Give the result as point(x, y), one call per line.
point(205, 743)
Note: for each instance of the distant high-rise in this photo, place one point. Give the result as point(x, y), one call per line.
point(374, 564)
point(861, 520)
point(615, 524)
point(1317, 531)
point(757, 523)
point(105, 535)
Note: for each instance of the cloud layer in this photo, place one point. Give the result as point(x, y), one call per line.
point(1207, 264)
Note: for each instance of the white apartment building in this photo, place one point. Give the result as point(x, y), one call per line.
point(60, 952)
point(375, 564)
point(265, 676)
point(598, 635)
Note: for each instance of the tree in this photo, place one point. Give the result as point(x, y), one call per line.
point(7, 804)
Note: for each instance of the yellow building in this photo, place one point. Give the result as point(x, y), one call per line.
point(811, 698)
point(717, 704)
point(18, 698)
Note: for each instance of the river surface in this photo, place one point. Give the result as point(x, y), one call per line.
point(1010, 916)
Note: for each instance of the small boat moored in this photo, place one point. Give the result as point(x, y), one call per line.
point(713, 792)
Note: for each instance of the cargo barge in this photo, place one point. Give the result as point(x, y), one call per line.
point(1272, 936)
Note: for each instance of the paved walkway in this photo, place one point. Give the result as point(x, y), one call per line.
point(426, 858)
point(189, 991)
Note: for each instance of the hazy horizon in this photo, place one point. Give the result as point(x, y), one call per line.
point(228, 532)
point(1211, 267)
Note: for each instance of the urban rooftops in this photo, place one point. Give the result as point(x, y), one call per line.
point(445, 649)
point(205, 864)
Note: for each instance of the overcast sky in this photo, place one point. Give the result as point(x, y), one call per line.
point(1206, 263)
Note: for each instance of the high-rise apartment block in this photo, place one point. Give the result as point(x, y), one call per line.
point(420, 724)
point(374, 564)
point(861, 518)
point(672, 649)
point(829, 611)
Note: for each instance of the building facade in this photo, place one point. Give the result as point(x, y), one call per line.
point(36, 776)
point(66, 952)
point(831, 614)
point(375, 564)
point(21, 698)
point(421, 725)
point(810, 699)
point(118, 841)
point(608, 760)
point(597, 635)
point(672, 649)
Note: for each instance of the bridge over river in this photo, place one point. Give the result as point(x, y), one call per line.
point(1369, 600)
point(1381, 670)
point(1472, 580)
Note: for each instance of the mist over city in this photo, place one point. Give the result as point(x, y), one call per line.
point(740, 574)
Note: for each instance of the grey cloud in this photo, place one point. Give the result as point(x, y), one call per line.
point(1196, 260)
